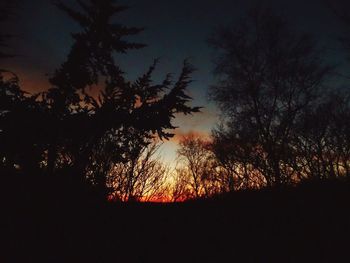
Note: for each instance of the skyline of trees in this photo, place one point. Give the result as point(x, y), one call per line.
point(280, 125)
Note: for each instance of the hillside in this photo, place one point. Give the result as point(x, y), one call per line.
point(46, 222)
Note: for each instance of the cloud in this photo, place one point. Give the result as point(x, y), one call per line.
point(179, 134)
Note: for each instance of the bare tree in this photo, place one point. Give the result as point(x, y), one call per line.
point(234, 158)
point(142, 178)
point(199, 167)
point(323, 141)
point(180, 188)
point(267, 77)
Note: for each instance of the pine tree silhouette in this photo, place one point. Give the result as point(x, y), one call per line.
point(125, 115)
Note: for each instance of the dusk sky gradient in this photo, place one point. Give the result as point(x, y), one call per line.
point(174, 31)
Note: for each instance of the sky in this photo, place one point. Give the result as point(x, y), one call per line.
point(174, 31)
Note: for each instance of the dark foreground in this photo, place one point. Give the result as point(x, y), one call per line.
point(49, 222)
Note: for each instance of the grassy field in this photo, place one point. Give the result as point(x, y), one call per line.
point(47, 221)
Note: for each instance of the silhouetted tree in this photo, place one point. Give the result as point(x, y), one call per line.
point(199, 168)
point(268, 76)
point(124, 117)
point(142, 178)
point(234, 158)
point(22, 136)
point(324, 130)
point(323, 139)
point(90, 58)
point(180, 188)
point(22, 139)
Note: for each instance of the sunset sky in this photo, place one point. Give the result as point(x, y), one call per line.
point(174, 31)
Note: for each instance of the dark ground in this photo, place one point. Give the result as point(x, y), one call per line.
point(46, 221)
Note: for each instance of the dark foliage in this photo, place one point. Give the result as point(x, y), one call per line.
point(92, 117)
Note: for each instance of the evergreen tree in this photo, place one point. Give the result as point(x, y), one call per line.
point(125, 116)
